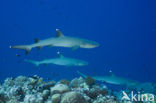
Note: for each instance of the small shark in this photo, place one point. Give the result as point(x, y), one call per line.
point(59, 41)
point(112, 79)
point(61, 60)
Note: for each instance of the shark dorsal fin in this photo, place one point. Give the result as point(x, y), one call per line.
point(36, 40)
point(59, 33)
point(111, 73)
point(60, 55)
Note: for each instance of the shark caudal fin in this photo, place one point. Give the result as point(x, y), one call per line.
point(24, 47)
point(81, 74)
point(36, 63)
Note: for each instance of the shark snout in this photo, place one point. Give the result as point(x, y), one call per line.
point(96, 45)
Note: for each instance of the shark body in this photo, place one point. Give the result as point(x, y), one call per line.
point(113, 79)
point(59, 41)
point(61, 60)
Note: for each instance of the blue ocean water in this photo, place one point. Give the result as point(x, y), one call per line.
point(126, 31)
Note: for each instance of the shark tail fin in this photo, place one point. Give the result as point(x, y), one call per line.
point(36, 63)
point(81, 74)
point(24, 47)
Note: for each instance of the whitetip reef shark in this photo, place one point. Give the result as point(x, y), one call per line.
point(61, 60)
point(112, 79)
point(59, 41)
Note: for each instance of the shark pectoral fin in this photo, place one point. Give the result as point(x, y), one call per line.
point(27, 51)
point(50, 46)
point(75, 47)
point(39, 47)
point(59, 33)
point(45, 64)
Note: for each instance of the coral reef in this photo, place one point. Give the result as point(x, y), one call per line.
point(90, 81)
point(64, 81)
point(59, 88)
point(77, 82)
point(72, 97)
point(35, 90)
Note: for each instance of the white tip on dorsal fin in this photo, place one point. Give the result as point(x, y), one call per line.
point(111, 73)
point(60, 55)
point(59, 33)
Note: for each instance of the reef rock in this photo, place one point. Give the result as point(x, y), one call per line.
point(33, 98)
point(73, 97)
point(90, 81)
point(105, 99)
point(95, 91)
point(45, 94)
point(59, 88)
point(56, 98)
point(77, 82)
point(35, 90)
point(64, 81)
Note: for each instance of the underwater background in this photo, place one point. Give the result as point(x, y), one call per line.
point(125, 29)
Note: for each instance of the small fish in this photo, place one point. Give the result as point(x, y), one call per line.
point(61, 60)
point(59, 41)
